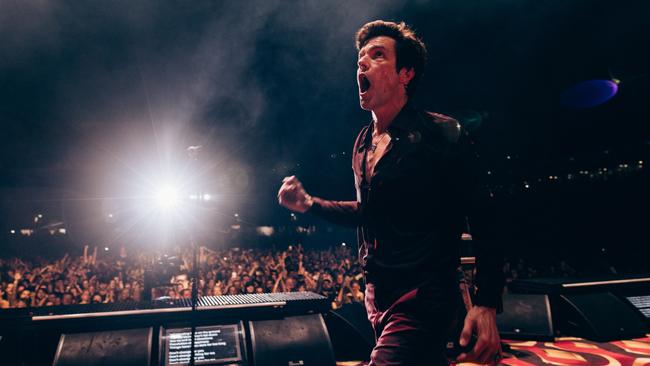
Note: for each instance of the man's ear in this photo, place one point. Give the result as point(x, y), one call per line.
point(406, 75)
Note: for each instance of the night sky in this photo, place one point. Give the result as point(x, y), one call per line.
point(99, 99)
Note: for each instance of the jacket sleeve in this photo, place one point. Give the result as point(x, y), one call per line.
point(484, 222)
point(344, 213)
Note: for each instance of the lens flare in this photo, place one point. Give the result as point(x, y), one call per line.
point(589, 93)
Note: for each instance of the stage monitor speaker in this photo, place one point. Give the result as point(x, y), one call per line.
point(526, 317)
point(351, 332)
point(129, 347)
point(10, 348)
point(293, 341)
point(600, 316)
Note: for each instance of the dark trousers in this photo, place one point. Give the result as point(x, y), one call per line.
point(414, 329)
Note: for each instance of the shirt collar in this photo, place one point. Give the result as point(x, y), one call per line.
point(400, 125)
point(403, 121)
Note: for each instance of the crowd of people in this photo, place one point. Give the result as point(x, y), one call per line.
point(520, 268)
point(105, 278)
point(69, 280)
point(120, 276)
point(334, 273)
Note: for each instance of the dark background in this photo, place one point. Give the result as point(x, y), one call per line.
point(99, 100)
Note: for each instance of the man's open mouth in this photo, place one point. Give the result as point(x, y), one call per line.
point(364, 83)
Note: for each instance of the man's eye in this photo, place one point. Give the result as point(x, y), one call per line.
point(378, 54)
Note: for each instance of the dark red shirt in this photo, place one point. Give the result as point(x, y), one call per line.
point(410, 216)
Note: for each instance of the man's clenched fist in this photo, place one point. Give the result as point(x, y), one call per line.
point(293, 196)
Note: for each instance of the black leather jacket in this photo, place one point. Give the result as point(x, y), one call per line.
point(411, 215)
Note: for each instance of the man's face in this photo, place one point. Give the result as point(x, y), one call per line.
point(377, 76)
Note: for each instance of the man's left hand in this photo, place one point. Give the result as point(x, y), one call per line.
point(482, 321)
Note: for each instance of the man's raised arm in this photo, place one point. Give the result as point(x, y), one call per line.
point(293, 196)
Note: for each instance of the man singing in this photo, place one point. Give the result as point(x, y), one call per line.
point(416, 183)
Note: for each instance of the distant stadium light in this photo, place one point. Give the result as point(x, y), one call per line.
point(167, 197)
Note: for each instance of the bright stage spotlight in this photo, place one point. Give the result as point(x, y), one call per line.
point(167, 197)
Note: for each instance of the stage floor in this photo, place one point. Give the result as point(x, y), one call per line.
point(570, 351)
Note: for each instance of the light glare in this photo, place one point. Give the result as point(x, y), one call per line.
point(167, 197)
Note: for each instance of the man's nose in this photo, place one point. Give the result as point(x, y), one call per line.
point(363, 64)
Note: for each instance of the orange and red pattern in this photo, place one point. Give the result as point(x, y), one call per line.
point(570, 352)
point(578, 352)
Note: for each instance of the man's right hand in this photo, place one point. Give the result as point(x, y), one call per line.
point(293, 196)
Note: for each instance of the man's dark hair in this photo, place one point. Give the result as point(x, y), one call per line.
point(410, 51)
